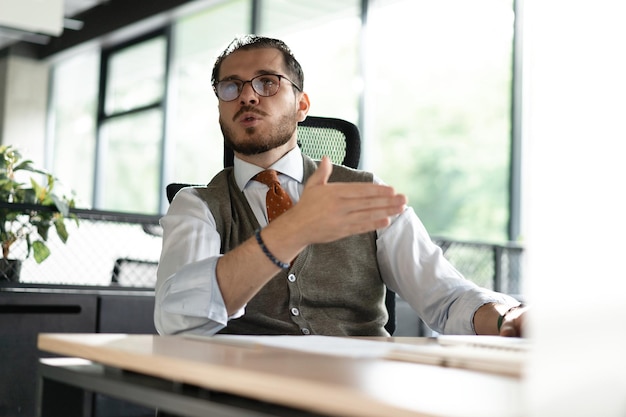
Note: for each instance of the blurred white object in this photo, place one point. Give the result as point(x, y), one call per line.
point(575, 212)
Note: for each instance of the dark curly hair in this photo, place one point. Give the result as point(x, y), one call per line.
point(247, 42)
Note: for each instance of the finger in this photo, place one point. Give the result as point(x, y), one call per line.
point(373, 215)
point(505, 329)
point(367, 216)
point(321, 174)
point(360, 190)
point(364, 227)
point(388, 204)
point(512, 327)
point(391, 203)
point(361, 220)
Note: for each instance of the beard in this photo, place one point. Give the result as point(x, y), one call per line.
point(254, 143)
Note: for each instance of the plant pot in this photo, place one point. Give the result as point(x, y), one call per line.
point(10, 269)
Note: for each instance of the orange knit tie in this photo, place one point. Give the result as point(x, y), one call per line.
point(277, 201)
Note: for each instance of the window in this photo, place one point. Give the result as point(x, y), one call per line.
point(427, 81)
point(72, 127)
point(330, 62)
point(131, 130)
point(438, 110)
point(194, 142)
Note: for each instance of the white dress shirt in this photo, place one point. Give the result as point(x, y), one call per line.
point(188, 297)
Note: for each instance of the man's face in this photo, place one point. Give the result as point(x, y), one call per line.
point(253, 124)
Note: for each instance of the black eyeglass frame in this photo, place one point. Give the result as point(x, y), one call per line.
point(243, 83)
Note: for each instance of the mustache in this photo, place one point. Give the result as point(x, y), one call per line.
point(248, 109)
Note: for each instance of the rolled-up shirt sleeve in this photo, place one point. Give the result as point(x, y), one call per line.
point(414, 266)
point(187, 295)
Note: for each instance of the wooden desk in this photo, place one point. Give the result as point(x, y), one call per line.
point(299, 382)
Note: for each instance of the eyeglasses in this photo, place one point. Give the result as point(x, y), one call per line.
point(264, 85)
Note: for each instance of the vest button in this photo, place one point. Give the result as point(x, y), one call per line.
point(291, 278)
point(295, 311)
point(305, 330)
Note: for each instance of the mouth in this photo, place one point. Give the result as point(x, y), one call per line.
point(248, 117)
point(248, 120)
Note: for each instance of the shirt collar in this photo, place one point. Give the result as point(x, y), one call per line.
point(291, 165)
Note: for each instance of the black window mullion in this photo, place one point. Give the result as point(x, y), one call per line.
point(164, 164)
point(102, 88)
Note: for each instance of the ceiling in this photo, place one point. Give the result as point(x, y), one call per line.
point(71, 8)
point(91, 20)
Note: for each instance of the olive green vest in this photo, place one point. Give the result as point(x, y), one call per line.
point(331, 289)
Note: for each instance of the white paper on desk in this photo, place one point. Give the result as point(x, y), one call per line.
point(481, 353)
point(495, 354)
point(323, 345)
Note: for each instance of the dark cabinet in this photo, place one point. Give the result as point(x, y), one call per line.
point(126, 314)
point(25, 314)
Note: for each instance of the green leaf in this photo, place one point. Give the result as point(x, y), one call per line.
point(26, 164)
point(40, 191)
point(42, 229)
point(40, 251)
point(59, 224)
point(61, 204)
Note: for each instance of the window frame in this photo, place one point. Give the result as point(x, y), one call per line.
point(106, 54)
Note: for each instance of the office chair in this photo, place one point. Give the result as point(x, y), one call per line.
point(317, 137)
point(128, 272)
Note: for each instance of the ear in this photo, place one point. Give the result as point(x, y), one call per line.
point(303, 106)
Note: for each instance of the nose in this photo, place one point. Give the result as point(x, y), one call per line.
point(248, 95)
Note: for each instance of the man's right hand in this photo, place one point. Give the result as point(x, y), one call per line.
point(326, 212)
point(330, 211)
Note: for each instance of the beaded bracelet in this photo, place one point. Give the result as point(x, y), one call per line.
point(501, 317)
point(267, 252)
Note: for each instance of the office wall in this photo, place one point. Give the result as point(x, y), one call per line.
point(23, 92)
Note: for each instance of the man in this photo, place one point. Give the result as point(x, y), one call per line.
point(320, 267)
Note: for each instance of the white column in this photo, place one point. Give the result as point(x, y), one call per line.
point(25, 87)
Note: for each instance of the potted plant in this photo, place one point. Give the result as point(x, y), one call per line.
point(28, 210)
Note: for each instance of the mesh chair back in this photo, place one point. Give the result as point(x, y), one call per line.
point(335, 138)
point(324, 136)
